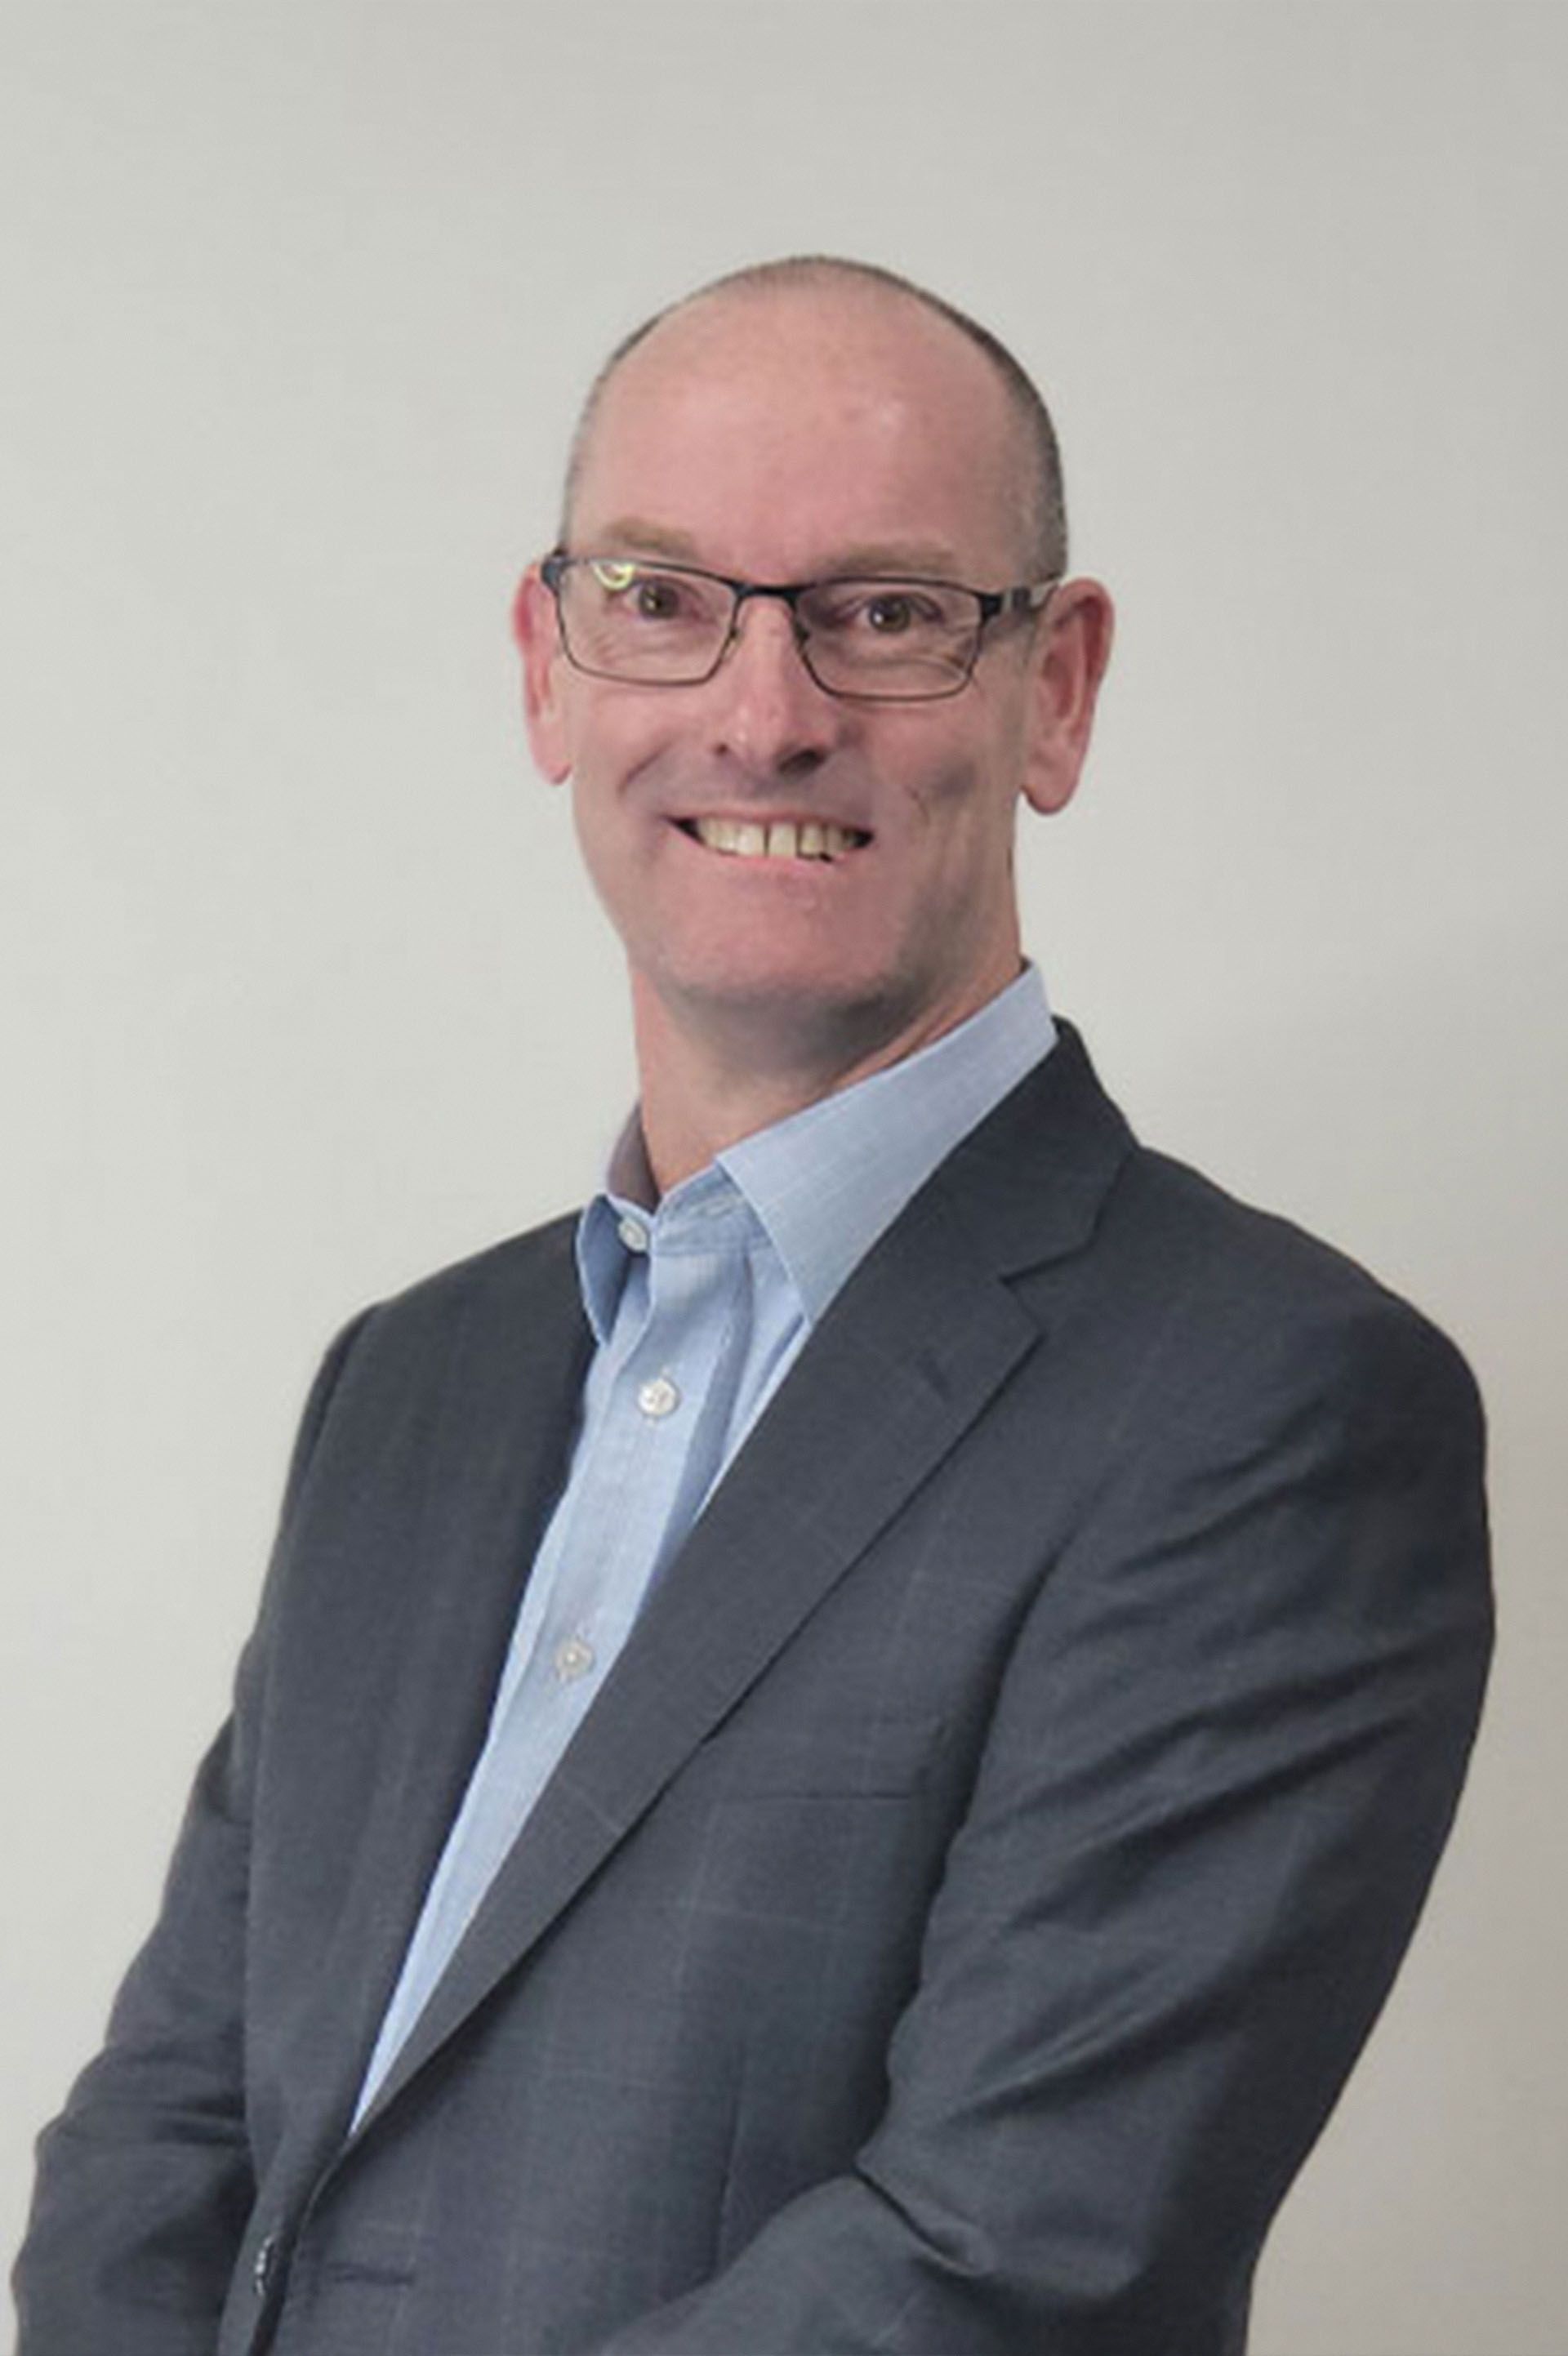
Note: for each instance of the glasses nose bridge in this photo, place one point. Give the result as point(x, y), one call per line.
point(787, 595)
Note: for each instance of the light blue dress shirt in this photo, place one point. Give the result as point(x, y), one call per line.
point(698, 1307)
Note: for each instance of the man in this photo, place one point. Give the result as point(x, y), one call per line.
point(841, 1758)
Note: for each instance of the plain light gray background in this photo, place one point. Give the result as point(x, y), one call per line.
point(301, 992)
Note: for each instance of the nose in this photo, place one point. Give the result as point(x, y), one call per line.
point(768, 713)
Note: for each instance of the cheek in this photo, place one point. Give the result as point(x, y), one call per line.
point(959, 775)
point(601, 843)
point(609, 733)
point(961, 812)
point(605, 840)
point(608, 753)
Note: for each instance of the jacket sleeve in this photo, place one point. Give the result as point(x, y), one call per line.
point(1222, 1764)
point(144, 2183)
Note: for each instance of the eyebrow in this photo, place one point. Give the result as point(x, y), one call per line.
point(914, 557)
point(637, 536)
point(909, 559)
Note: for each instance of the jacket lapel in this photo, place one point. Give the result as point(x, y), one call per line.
point(510, 1388)
point(927, 1329)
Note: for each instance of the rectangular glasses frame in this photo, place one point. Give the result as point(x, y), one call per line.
point(1025, 597)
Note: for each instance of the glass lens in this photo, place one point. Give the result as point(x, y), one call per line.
point(890, 637)
point(643, 621)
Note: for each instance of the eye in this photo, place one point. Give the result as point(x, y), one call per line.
point(884, 610)
point(641, 597)
point(890, 612)
point(656, 598)
point(651, 596)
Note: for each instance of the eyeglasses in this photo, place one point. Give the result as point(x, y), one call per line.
point(879, 640)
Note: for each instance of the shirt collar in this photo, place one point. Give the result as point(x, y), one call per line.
point(826, 1183)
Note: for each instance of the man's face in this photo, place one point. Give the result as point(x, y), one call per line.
point(787, 437)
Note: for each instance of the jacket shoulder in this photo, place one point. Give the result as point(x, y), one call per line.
point(1057, 1190)
point(500, 1274)
point(1248, 1281)
point(508, 1315)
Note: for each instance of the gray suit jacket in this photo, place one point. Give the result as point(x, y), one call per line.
point(951, 1926)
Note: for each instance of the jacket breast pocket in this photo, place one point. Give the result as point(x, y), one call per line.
point(803, 1839)
point(878, 1759)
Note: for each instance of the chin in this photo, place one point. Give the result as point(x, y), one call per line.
point(817, 1011)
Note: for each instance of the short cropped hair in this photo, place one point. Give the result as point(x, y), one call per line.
point(1041, 499)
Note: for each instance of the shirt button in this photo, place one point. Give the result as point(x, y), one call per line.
point(574, 1658)
point(632, 1233)
point(658, 1397)
point(263, 2264)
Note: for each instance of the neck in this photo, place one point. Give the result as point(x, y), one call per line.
point(704, 1085)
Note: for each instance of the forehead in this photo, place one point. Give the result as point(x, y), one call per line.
point(775, 432)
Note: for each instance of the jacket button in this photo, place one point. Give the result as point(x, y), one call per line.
point(263, 2264)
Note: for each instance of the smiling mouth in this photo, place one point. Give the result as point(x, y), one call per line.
point(779, 837)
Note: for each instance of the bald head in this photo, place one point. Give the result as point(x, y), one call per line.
point(1001, 425)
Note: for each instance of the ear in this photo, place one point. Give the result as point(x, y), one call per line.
point(536, 627)
point(1068, 662)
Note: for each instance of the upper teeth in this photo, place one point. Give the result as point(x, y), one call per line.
point(780, 839)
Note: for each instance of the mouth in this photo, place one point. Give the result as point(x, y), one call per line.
point(778, 837)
